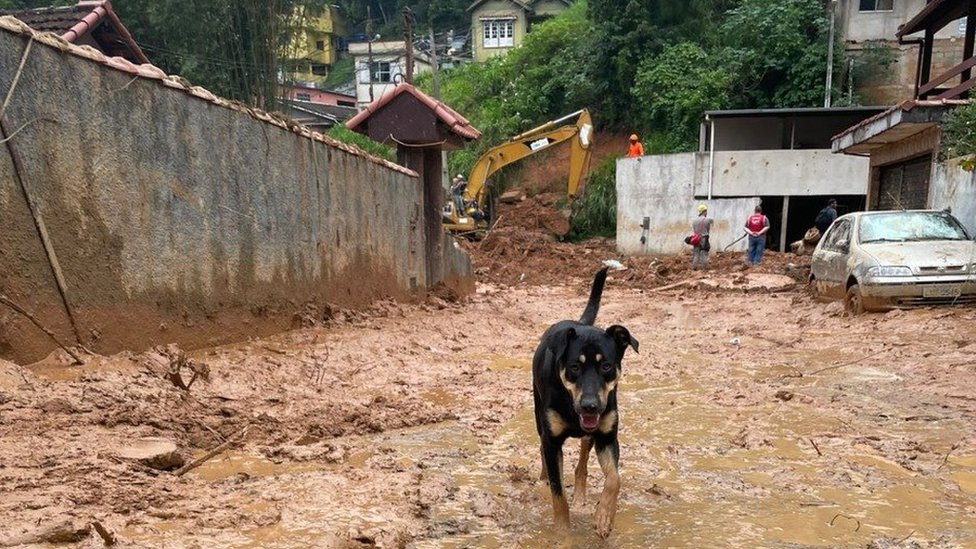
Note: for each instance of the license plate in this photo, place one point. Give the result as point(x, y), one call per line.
point(943, 290)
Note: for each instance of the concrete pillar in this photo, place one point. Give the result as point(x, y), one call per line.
point(783, 223)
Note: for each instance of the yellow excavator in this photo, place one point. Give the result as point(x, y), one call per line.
point(469, 210)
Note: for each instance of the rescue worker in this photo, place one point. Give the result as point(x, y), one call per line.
point(757, 225)
point(701, 226)
point(636, 149)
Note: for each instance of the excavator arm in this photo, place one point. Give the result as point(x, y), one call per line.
point(525, 144)
point(531, 142)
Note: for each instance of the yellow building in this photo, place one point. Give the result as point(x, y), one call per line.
point(314, 44)
point(500, 25)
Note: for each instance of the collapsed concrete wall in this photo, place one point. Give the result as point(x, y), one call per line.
point(661, 188)
point(181, 218)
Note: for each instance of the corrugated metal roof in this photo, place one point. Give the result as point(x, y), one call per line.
point(800, 111)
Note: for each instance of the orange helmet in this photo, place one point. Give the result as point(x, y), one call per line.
point(633, 137)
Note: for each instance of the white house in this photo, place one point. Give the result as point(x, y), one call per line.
point(389, 65)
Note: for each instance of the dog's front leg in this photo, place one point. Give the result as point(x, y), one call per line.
point(579, 488)
point(553, 454)
point(608, 457)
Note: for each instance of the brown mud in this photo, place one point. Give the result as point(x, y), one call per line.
point(411, 425)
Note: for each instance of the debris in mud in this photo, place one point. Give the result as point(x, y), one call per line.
point(153, 452)
point(169, 361)
point(784, 395)
point(58, 530)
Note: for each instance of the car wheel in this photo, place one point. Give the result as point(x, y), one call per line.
point(854, 303)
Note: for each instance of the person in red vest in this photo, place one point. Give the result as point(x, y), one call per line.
point(756, 227)
point(635, 150)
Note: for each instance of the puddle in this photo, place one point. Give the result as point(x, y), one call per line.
point(497, 363)
point(233, 463)
point(74, 372)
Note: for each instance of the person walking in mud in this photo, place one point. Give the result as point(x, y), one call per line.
point(757, 225)
point(701, 226)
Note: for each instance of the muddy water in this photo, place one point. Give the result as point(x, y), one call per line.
point(684, 486)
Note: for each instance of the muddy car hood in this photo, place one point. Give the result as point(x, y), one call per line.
point(922, 254)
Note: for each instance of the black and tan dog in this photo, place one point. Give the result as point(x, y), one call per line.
point(574, 381)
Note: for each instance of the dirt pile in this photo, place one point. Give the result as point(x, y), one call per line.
point(511, 255)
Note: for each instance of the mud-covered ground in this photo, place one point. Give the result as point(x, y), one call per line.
point(411, 425)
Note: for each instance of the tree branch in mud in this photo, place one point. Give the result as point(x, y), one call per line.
point(671, 286)
point(815, 447)
point(10, 303)
point(107, 535)
point(872, 355)
point(945, 458)
point(831, 523)
point(231, 440)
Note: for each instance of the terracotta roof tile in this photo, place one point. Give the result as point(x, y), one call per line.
point(73, 22)
point(457, 123)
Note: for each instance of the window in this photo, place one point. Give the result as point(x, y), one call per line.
point(877, 5)
point(838, 238)
point(303, 97)
point(320, 69)
point(498, 33)
point(320, 45)
point(381, 71)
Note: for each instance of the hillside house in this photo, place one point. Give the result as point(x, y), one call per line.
point(313, 47)
point(902, 143)
point(87, 23)
point(868, 28)
point(497, 26)
point(380, 66)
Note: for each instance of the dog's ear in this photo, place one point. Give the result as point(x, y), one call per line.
point(623, 339)
point(559, 344)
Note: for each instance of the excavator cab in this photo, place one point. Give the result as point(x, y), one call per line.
point(469, 212)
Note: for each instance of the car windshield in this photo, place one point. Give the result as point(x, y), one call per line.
point(909, 226)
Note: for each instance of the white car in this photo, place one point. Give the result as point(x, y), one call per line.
point(890, 259)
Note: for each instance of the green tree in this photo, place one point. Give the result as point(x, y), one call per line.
point(675, 88)
point(779, 51)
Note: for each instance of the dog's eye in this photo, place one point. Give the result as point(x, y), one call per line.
point(606, 367)
point(574, 368)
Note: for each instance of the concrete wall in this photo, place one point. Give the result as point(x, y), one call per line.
point(783, 173)
point(177, 218)
point(856, 25)
point(661, 187)
point(954, 187)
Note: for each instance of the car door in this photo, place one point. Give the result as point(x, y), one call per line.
point(829, 264)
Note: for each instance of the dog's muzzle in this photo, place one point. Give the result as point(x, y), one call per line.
point(589, 411)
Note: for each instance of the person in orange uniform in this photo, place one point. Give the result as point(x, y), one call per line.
point(635, 150)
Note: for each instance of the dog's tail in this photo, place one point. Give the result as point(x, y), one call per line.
point(596, 291)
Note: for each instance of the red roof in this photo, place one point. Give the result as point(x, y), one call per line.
point(73, 22)
point(457, 123)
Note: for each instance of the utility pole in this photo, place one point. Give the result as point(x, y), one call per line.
point(408, 42)
point(435, 85)
point(830, 54)
point(369, 51)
